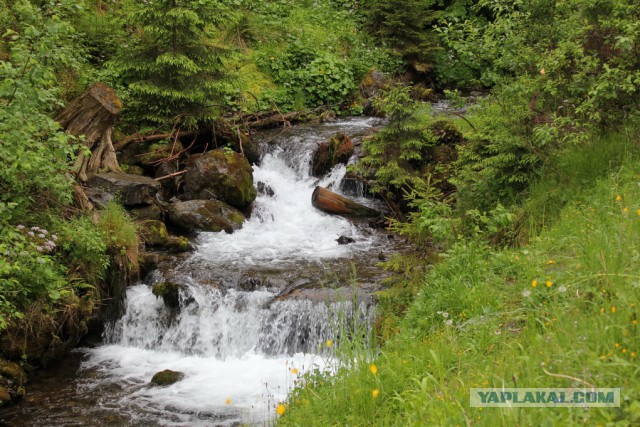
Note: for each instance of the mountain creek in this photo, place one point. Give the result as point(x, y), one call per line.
point(254, 308)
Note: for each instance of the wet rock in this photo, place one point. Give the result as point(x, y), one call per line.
point(151, 212)
point(169, 292)
point(338, 150)
point(166, 377)
point(205, 215)
point(222, 175)
point(381, 256)
point(344, 240)
point(153, 232)
point(129, 189)
point(178, 244)
point(147, 263)
point(265, 189)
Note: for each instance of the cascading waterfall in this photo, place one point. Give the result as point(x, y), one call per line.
point(235, 337)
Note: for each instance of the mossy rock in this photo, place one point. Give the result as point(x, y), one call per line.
point(338, 150)
point(5, 397)
point(166, 377)
point(169, 292)
point(205, 215)
point(12, 371)
point(153, 232)
point(178, 244)
point(132, 169)
point(222, 175)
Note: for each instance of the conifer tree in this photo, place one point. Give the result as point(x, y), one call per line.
point(174, 69)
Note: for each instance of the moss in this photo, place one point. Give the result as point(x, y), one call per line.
point(166, 377)
point(5, 397)
point(12, 371)
point(178, 244)
point(169, 292)
point(153, 232)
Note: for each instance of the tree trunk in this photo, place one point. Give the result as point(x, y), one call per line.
point(93, 114)
point(330, 202)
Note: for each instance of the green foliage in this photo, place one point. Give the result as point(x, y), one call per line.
point(35, 153)
point(579, 55)
point(119, 231)
point(173, 66)
point(559, 312)
point(396, 154)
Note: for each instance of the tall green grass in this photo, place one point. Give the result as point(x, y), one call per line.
point(560, 311)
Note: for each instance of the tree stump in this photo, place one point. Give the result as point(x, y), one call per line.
point(330, 202)
point(93, 114)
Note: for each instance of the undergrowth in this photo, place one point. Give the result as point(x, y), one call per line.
point(559, 311)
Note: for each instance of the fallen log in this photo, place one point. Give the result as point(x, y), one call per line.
point(153, 137)
point(330, 202)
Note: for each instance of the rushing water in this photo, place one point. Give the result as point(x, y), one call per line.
point(257, 306)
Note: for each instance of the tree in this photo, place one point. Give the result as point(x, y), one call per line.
point(173, 68)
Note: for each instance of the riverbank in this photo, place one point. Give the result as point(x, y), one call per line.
point(558, 310)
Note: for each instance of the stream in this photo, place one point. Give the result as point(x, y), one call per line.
point(255, 313)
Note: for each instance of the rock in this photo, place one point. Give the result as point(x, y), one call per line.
point(5, 397)
point(344, 240)
point(265, 189)
point(178, 244)
point(166, 377)
point(153, 232)
point(12, 371)
point(381, 256)
point(130, 189)
point(373, 83)
point(147, 263)
point(172, 184)
point(169, 292)
point(205, 215)
point(132, 170)
point(151, 212)
point(222, 175)
point(329, 154)
point(328, 116)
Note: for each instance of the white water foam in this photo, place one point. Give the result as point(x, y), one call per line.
point(232, 344)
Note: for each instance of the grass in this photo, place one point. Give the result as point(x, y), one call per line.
point(560, 311)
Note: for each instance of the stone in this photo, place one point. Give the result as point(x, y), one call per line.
point(338, 150)
point(178, 244)
point(344, 240)
point(129, 189)
point(265, 189)
point(169, 292)
point(153, 232)
point(5, 397)
point(220, 174)
point(166, 377)
point(151, 212)
point(205, 215)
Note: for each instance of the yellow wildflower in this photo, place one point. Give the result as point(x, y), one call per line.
point(613, 309)
point(294, 371)
point(549, 283)
point(534, 283)
point(373, 369)
point(550, 262)
point(542, 72)
point(618, 198)
point(329, 343)
point(634, 321)
point(625, 210)
point(228, 401)
point(280, 410)
point(375, 393)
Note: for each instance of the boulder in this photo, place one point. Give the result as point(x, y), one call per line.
point(169, 292)
point(178, 244)
point(129, 189)
point(153, 232)
point(265, 189)
point(338, 150)
point(220, 174)
point(344, 240)
point(166, 377)
point(205, 215)
point(153, 211)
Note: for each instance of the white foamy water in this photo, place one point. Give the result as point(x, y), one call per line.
point(235, 348)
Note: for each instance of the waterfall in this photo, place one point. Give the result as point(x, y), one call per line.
point(241, 335)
